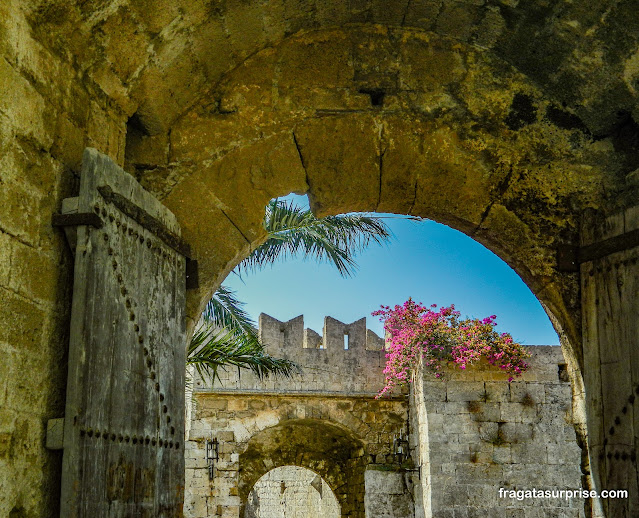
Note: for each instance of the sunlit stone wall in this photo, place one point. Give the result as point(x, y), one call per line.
point(474, 432)
point(471, 433)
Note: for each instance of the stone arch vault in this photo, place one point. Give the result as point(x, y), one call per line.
point(506, 121)
point(331, 451)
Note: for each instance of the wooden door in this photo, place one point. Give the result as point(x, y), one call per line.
point(124, 419)
point(609, 269)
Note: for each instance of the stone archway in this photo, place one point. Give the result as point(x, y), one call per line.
point(465, 140)
point(291, 490)
point(455, 134)
point(550, 123)
point(329, 450)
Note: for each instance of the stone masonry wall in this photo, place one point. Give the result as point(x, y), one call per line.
point(337, 437)
point(331, 403)
point(479, 433)
point(49, 111)
point(292, 492)
point(328, 367)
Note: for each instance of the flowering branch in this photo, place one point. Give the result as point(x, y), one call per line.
point(439, 337)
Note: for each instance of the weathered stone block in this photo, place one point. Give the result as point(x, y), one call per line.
point(17, 215)
point(502, 454)
point(23, 105)
point(497, 392)
point(488, 431)
point(235, 405)
point(517, 432)
point(21, 321)
point(558, 394)
point(464, 391)
point(24, 261)
point(434, 390)
point(484, 411)
point(527, 393)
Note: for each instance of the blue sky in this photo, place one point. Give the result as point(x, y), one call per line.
point(429, 262)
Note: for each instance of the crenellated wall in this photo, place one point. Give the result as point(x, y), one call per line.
point(326, 419)
point(282, 337)
point(327, 366)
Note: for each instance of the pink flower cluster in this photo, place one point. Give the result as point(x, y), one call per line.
point(438, 337)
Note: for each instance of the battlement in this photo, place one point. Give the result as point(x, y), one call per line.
point(345, 359)
point(350, 359)
point(287, 337)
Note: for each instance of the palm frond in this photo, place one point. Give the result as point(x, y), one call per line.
point(334, 239)
point(211, 349)
point(224, 310)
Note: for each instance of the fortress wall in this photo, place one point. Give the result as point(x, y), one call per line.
point(336, 386)
point(483, 433)
point(471, 432)
point(326, 366)
point(239, 420)
point(531, 92)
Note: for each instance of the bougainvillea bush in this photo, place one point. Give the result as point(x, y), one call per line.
point(440, 337)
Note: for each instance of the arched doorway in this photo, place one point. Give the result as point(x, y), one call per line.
point(291, 492)
point(454, 140)
point(474, 159)
point(431, 159)
point(416, 122)
point(331, 451)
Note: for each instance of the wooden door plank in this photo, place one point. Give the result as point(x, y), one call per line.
point(610, 320)
point(127, 350)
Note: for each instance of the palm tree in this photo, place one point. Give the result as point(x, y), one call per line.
point(228, 336)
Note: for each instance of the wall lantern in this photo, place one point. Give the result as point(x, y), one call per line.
point(402, 453)
point(212, 455)
point(400, 447)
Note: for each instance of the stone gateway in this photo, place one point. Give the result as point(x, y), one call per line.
point(514, 122)
point(468, 434)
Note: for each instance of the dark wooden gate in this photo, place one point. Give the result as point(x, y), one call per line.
point(124, 420)
point(609, 258)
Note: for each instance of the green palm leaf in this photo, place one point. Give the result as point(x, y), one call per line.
point(211, 349)
point(334, 239)
point(225, 311)
point(229, 337)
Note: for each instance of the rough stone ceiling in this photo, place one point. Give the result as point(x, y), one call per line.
point(568, 71)
point(161, 56)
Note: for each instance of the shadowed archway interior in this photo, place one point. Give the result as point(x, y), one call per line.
point(329, 450)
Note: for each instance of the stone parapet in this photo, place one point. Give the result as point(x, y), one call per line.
point(346, 358)
point(349, 358)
